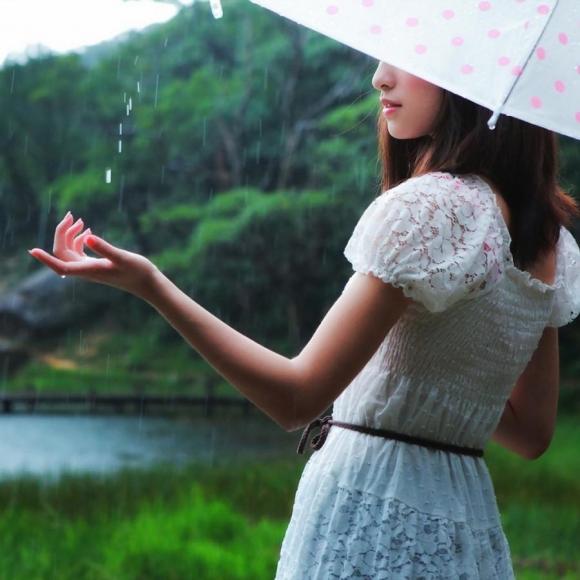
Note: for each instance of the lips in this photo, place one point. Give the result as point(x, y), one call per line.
point(388, 104)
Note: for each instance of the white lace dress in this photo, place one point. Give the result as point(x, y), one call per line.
point(374, 508)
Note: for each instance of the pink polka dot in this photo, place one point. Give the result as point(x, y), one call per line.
point(517, 71)
point(332, 9)
point(466, 69)
point(457, 41)
point(420, 49)
point(448, 14)
point(543, 9)
point(560, 86)
point(503, 61)
point(484, 6)
point(368, 3)
point(563, 38)
point(536, 102)
point(541, 53)
point(578, 68)
point(494, 33)
point(412, 21)
point(578, 116)
point(376, 29)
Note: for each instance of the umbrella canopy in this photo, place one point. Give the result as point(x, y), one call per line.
point(516, 57)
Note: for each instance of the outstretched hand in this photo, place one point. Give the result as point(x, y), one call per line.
point(116, 267)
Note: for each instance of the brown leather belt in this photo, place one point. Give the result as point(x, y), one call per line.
point(326, 423)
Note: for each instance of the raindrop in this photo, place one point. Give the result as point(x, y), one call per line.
point(138, 87)
point(120, 146)
point(108, 176)
point(128, 110)
point(124, 97)
point(165, 43)
point(156, 89)
point(136, 60)
point(121, 192)
point(120, 128)
point(216, 8)
point(130, 104)
point(63, 276)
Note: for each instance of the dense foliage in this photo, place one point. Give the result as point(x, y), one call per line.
point(248, 152)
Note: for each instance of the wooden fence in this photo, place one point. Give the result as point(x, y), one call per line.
point(139, 401)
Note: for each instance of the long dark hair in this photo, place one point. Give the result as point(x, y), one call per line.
point(521, 160)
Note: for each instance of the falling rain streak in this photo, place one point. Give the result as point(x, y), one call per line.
point(156, 89)
point(128, 101)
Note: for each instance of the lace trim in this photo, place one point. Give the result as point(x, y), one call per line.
point(384, 539)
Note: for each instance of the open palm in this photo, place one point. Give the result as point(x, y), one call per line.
point(116, 267)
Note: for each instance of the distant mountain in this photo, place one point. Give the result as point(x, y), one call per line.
point(90, 55)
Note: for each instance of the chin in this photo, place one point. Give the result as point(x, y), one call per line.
point(402, 135)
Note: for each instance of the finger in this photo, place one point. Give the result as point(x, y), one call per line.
point(59, 232)
point(80, 268)
point(48, 260)
point(80, 240)
point(72, 232)
point(103, 248)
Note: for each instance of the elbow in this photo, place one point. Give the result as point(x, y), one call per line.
point(295, 424)
point(536, 451)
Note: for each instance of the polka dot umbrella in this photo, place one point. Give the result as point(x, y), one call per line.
point(516, 57)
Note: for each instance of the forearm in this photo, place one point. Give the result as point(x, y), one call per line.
point(266, 378)
point(529, 418)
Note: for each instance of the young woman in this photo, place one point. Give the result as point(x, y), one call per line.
point(444, 337)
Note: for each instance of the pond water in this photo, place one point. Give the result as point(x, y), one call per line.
point(48, 445)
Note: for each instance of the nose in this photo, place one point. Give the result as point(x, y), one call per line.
point(384, 76)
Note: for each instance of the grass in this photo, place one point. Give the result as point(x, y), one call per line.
point(163, 523)
point(228, 520)
point(540, 504)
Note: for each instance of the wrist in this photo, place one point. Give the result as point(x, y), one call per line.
point(151, 285)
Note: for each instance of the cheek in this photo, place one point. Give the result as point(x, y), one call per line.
point(427, 97)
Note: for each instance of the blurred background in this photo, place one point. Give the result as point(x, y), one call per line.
point(237, 154)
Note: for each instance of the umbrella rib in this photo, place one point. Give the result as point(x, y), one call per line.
point(497, 111)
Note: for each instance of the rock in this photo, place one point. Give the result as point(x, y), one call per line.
point(46, 303)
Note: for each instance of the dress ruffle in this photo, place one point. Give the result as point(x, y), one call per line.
point(432, 236)
point(567, 286)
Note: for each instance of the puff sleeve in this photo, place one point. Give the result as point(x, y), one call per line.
point(566, 305)
point(434, 236)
